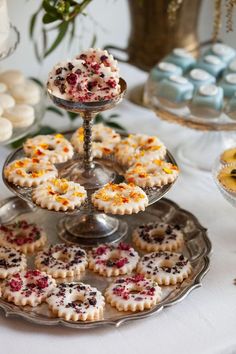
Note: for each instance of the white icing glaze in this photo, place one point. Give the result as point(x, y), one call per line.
point(212, 59)
point(179, 79)
point(208, 90)
point(199, 75)
point(11, 261)
point(231, 79)
point(221, 49)
point(76, 301)
point(181, 52)
point(164, 66)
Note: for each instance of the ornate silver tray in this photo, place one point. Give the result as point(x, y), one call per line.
point(197, 248)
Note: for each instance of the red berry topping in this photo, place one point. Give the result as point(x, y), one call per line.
point(124, 246)
point(103, 58)
point(71, 79)
point(42, 282)
point(101, 250)
point(15, 285)
point(95, 66)
point(111, 83)
point(121, 262)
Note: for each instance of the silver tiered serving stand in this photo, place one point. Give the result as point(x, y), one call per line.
point(88, 226)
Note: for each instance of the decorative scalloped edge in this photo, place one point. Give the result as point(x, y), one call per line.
point(7, 308)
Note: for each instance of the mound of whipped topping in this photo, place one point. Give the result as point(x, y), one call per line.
point(92, 75)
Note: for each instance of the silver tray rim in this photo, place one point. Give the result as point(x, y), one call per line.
point(33, 318)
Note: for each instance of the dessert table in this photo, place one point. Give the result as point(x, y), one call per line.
point(205, 321)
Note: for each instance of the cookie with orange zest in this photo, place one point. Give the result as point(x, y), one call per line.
point(104, 139)
point(150, 174)
point(59, 194)
point(54, 148)
point(120, 199)
point(139, 148)
point(28, 172)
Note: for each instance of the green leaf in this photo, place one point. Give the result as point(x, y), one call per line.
point(72, 116)
point(62, 29)
point(49, 8)
point(47, 18)
point(55, 110)
point(45, 129)
point(32, 24)
point(115, 125)
point(99, 118)
point(114, 115)
point(37, 81)
point(36, 52)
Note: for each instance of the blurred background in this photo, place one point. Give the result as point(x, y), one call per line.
point(108, 19)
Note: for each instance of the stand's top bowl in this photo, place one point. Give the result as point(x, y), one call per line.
point(88, 107)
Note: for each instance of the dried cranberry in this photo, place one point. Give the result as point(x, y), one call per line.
point(42, 283)
point(71, 79)
point(78, 72)
point(103, 58)
point(121, 262)
point(83, 56)
point(124, 246)
point(15, 285)
point(92, 301)
point(95, 66)
point(111, 83)
point(101, 250)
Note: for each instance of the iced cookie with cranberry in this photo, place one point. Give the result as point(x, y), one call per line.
point(111, 260)
point(54, 148)
point(30, 287)
point(182, 58)
point(158, 236)
point(139, 148)
point(59, 194)
point(61, 260)
point(120, 199)
point(133, 293)
point(166, 268)
point(91, 76)
point(23, 236)
point(29, 172)
point(150, 174)
point(104, 140)
point(76, 302)
point(11, 261)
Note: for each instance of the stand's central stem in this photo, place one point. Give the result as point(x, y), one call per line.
point(87, 126)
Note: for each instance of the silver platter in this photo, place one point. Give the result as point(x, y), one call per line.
point(154, 194)
point(197, 248)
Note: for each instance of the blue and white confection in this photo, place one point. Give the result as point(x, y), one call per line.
point(164, 70)
point(231, 107)
point(231, 69)
point(200, 77)
point(181, 57)
point(223, 51)
point(212, 64)
point(207, 101)
point(176, 89)
point(228, 83)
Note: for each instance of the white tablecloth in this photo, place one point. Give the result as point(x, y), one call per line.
point(205, 322)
